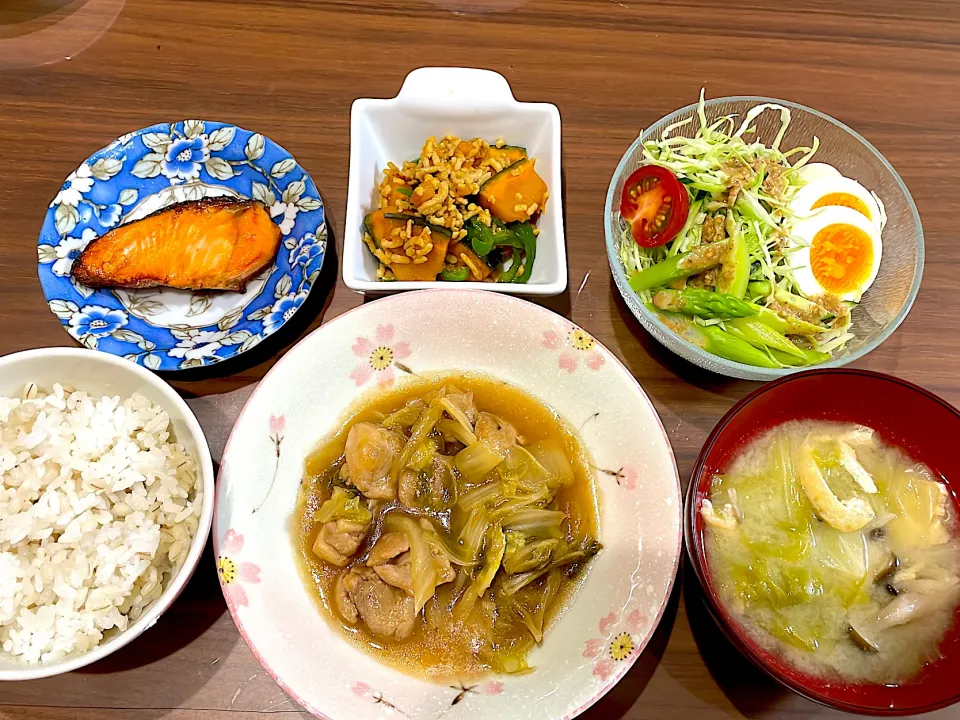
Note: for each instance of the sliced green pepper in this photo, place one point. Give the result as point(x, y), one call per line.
point(508, 275)
point(480, 237)
point(457, 274)
point(507, 238)
point(524, 232)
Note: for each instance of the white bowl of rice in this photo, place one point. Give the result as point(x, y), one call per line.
point(106, 500)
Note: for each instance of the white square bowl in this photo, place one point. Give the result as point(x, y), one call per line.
point(468, 103)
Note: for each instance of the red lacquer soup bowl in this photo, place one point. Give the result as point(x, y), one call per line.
point(905, 415)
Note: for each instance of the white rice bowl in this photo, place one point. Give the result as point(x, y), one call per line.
point(98, 510)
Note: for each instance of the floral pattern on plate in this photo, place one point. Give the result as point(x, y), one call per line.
point(622, 641)
point(235, 573)
point(152, 168)
point(573, 342)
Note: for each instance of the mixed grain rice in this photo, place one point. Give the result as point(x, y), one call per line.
point(98, 508)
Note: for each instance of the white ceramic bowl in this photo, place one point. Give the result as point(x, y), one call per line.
point(302, 399)
point(99, 373)
point(468, 103)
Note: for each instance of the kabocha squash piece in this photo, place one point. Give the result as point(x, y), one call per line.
point(429, 270)
point(506, 155)
point(380, 226)
point(439, 236)
point(510, 194)
point(479, 270)
point(210, 244)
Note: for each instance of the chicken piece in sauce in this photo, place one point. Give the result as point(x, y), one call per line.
point(496, 432)
point(387, 611)
point(390, 560)
point(339, 540)
point(369, 454)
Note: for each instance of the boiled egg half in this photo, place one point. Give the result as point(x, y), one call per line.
point(826, 187)
point(838, 253)
point(817, 171)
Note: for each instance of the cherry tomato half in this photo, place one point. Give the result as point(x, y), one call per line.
point(655, 203)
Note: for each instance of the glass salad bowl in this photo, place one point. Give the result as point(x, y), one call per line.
point(883, 306)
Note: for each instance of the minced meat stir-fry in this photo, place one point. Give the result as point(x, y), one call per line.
point(463, 210)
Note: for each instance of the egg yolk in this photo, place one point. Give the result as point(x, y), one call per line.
point(843, 200)
point(841, 258)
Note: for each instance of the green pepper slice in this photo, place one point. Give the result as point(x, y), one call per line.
point(524, 232)
point(480, 237)
point(457, 274)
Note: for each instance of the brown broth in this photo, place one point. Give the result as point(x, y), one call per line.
point(447, 650)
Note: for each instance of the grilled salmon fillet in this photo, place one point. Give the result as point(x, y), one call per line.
point(210, 244)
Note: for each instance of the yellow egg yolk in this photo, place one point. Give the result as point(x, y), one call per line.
point(841, 258)
point(843, 200)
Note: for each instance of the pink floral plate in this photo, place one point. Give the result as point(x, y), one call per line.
point(378, 345)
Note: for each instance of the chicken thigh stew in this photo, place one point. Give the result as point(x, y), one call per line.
point(446, 524)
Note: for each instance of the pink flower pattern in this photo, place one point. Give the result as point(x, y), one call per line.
point(233, 573)
point(575, 345)
point(618, 644)
point(379, 356)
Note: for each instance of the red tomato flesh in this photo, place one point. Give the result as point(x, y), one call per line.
point(655, 203)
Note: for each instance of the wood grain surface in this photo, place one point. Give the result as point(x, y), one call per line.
point(76, 74)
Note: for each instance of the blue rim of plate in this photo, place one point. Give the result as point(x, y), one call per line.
point(157, 166)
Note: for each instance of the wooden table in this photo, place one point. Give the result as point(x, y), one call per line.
point(75, 75)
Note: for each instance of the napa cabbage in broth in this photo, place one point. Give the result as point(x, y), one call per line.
point(835, 549)
point(446, 524)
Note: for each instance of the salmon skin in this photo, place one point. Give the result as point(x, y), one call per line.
point(211, 244)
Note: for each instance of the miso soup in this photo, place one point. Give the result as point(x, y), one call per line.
point(836, 550)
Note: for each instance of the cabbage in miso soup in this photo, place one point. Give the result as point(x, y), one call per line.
point(836, 549)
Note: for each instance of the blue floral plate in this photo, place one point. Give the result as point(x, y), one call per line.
point(144, 171)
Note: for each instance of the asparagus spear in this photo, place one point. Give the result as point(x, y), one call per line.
point(703, 303)
point(787, 325)
point(761, 336)
point(712, 305)
point(801, 304)
point(735, 270)
point(690, 263)
point(715, 340)
point(810, 357)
